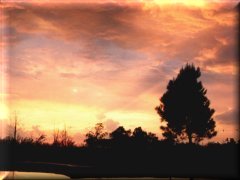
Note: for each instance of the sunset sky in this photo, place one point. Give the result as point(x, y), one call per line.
point(77, 64)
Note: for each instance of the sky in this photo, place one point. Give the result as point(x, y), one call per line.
point(78, 63)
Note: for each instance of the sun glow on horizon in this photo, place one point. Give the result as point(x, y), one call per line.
point(45, 113)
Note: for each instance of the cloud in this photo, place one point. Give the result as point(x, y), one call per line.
point(213, 78)
point(228, 117)
point(110, 125)
point(117, 56)
point(127, 33)
point(87, 21)
point(101, 116)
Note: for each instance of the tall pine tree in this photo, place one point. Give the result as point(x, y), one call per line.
point(185, 108)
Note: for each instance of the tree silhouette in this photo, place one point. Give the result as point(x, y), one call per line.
point(93, 138)
point(120, 133)
point(185, 108)
point(141, 137)
point(152, 138)
point(121, 137)
point(56, 137)
point(62, 138)
point(169, 135)
point(14, 128)
point(66, 139)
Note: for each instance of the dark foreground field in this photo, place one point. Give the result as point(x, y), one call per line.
point(159, 160)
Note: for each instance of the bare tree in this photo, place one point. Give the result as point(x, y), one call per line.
point(62, 138)
point(14, 127)
point(66, 139)
point(56, 139)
